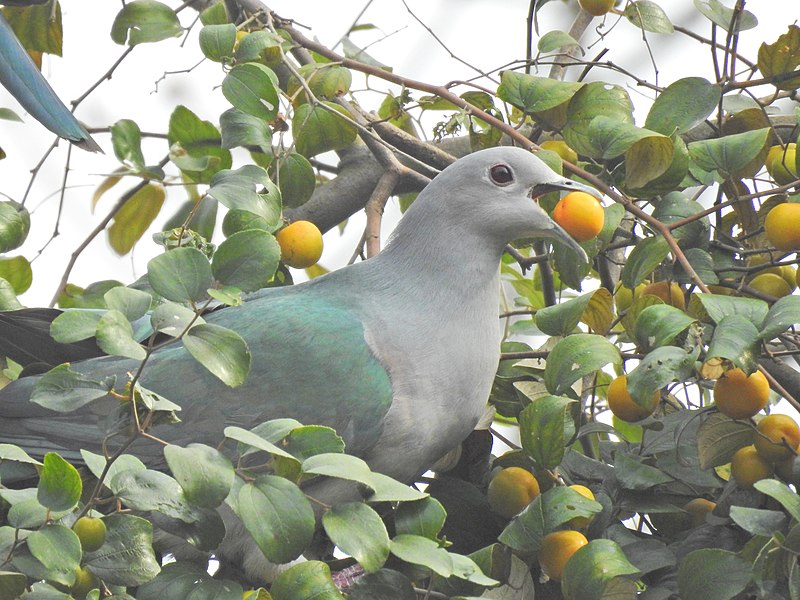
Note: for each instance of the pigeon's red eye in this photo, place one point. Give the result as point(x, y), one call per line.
point(501, 174)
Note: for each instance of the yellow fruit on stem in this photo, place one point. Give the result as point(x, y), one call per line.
point(780, 163)
point(596, 8)
point(557, 548)
point(580, 214)
point(669, 291)
point(740, 396)
point(91, 531)
point(624, 296)
point(771, 285)
point(511, 490)
point(782, 226)
point(747, 467)
point(301, 244)
point(85, 582)
point(622, 404)
point(698, 509)
point(778, 437)
point(561, 148)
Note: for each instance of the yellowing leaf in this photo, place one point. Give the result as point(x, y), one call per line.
point(135, 217)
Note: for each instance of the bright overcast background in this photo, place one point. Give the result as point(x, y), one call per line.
point(486, 34)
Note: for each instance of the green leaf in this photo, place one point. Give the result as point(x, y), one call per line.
point(115, 336)
point(576, 356)
point(241, 129)
point(534, 94)
point(718, 307)
point(591, 101)
point(247, 260)
point(391, 490)
point(421, 551)
point(730, 153)
point(357, 530)
point(675, 207)
point(343, 466)
point(38, 27)
point(611, 138)
point(296, 179)
point(59, 484)
point(220, 350)
point(126, 138)
point(186, 580)
point(713, 574)
point(180, 275)
point(718, 437)
point(17, 271)
point(325, 80)
point(657, 369)
point(135, 216)
point(647, 160)
point(253, 89)
point(721, 15)
point(424, 517)
point(648, 16)
point(385, 584)
point(683, 105)
point(658, 325)
point(91, 297)
point(261, 46)
point(758, 521)
point(195, 146)
point(126, 462)
point(782, 493)
point(592, 568)
point(546, 426)
point(205, 474)
point(64, 390)
point(643, 260)
point(278, 516)
point(239, 190)
point(736, 339)
point(554, 40)
point(12, 585)
point(308, 440)
point(217, 41)
point(305, 581)
point(56, 547)
point(150, 490)
point(318, 129)
point(561, 319)
point(15, 223)
point(17, 454)
point(132, 303)
point(127, 557)
point(781, 316)
point(173, 319)
point(8, 299)
point(144, 21)
point(779, 60)
point(633, 474)
point(254, 440)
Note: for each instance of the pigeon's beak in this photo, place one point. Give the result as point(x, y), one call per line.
point(556, 231)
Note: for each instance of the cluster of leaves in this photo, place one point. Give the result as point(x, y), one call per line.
point(697, 135)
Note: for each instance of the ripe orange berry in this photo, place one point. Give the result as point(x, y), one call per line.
point(581, 522)
point(747, 467)
point(782, 226)
point(557, 548)
point(739, 396)
point(622, 404)
point(698, 509)
point(561, 148)
point(777, 436)
point(669, 291)
point(580, 214)
point(511, 490)
point(301, 244)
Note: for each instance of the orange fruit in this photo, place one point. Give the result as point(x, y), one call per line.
point(747, 467)
point(622, 404)
point(561, 148)
point(740, 396)
point(780, 163)
point(777, 436)
point(580, 214)
point(698, 509)
point(596, 8)
point(557, 548)
point(511, 490)
point(301, 244)
point(669, 291)
point(782, 226)
point(91, 531)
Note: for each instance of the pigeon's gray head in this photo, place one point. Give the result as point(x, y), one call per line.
point(495, 192)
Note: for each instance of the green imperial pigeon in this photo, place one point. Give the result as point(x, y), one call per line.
point(397, 353)
point(20, 76)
